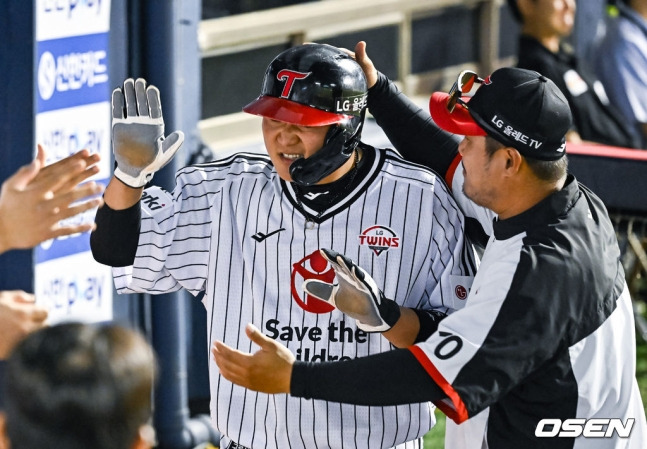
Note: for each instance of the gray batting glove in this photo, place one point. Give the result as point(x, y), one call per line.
point(355, 294)
point(138, 133)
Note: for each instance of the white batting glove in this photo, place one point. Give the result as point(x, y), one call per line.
point(138, 133)
point(355, 294)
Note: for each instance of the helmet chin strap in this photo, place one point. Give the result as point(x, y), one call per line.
point(337, 149)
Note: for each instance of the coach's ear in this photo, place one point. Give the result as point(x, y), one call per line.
point(4, 439)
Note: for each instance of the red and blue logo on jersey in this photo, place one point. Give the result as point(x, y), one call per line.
point(379, 239)
point(313, 266)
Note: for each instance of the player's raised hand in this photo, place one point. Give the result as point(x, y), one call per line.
point(355, 294)
point(138, 133)
point(269, 370)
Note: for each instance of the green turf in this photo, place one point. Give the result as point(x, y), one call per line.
point(435, 437)
point(641, 370)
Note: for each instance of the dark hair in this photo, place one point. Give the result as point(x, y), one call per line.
point(492, 145)
point(514, 9)
point(79, 386)
point(549, 171)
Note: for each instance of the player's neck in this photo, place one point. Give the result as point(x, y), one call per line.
point(323, 197)
point(347, 167)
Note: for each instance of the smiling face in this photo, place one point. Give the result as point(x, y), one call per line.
point(286, 143)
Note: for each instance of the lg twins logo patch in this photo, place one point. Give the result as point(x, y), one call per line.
point(379, 239)
point(289, 76)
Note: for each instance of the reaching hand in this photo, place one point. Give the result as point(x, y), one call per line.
point(138, 133)
point(35, 199)
point(365, 63)
point(269, 370)
point(356, 294)
point(18, 317)
point(359, 55)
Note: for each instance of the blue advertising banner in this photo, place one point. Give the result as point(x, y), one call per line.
point(73, 113)
point(72, 71)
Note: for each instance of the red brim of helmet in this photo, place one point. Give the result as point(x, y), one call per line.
point(290, 112)
point(457, 122)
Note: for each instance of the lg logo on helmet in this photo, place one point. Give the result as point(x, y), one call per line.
point(352, 104)
point(289, 76)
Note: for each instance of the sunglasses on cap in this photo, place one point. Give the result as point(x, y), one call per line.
point(463, 85)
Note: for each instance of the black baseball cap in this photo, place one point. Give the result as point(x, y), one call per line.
point(519, 108)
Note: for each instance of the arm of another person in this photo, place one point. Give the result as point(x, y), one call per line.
point(409, 128)
point(415, 135)
point(32, 204)
point(389, 378)
point(36, 198)
point(19, 315)
point(475, 341)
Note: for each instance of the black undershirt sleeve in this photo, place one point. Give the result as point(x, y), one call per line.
point(429, 321)
point(114, 241)
point(389, 378)
point(410, 129)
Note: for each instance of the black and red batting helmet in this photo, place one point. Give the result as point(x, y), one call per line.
point(316, 85)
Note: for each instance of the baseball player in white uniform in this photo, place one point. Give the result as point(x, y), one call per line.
point(247, 231)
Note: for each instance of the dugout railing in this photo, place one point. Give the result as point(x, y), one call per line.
point(421, 44)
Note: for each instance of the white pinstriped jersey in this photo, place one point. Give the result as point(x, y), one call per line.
point(233, 229)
